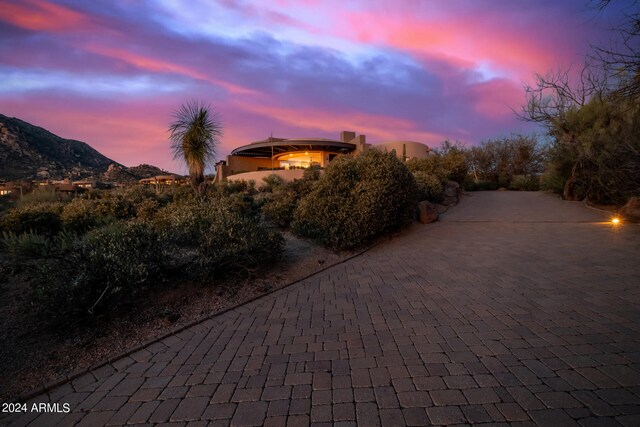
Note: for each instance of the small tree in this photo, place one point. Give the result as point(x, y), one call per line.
point(195, 134)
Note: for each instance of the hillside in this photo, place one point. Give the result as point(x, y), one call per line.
point(31, 152)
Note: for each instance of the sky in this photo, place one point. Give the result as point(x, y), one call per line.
point(111, 73)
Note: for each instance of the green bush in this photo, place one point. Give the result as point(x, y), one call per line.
point(431, 165)
point(429, 186)
point(43, 218)
point(280, 207)
point(97, 272)
point(524, 183)
point(357, 199)
point(311, 173)
point(117, 207)
point(225, 234)
point(272, 182)
point(226, 188)
point(551, 181)
point(501, 160)
point(24, 246)
point(42, 196)
point(448, 162)
point(81, 215)
point(136, 194)
point(453, 161)
point(147, 209)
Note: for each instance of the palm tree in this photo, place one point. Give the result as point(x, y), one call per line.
point(195, 135)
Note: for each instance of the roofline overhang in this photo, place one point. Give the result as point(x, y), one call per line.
point(278, 147)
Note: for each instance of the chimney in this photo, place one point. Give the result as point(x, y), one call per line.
point(347, 135)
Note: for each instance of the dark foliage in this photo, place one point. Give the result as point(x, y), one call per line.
point(356, 200)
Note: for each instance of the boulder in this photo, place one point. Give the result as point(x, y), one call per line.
point(451, 194)
point(631, 210)
point(427, 212)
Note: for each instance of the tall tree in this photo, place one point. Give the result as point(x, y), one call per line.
point(622, 57)
point(195, 135)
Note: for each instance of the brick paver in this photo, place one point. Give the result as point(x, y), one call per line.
point(515, 307)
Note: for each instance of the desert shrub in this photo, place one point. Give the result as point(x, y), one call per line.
point(117, 206)
point(26, 245)
point(448, 162)
point(98, 272)
point(272, 182)
point(230, 187)
point(42, 197)
point(279, 209)
point(81, 215)
point(311, 173)
point(552, 182)
point(136, 194)
point(225, 234)
point(251, 187)
point(596, 150)
point(147, 209)
point(429, 186)
point(431, 165)
point(357, 199)
point(42, 218)
point(431, 173)
point(500, 160)
point(524, 183)
point(453, 161)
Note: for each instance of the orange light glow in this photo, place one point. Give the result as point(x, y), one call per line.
point(615, 220)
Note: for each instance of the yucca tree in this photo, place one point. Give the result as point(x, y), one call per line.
point(195, 135)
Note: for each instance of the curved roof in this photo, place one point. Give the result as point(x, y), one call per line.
point(278, 146)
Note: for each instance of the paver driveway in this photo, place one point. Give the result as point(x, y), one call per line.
point(515, 307)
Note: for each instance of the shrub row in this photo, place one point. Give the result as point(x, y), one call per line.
point(96, 256)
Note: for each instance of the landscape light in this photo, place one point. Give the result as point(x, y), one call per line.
point(615, 220)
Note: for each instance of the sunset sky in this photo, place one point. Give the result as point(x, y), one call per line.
point(110, 73)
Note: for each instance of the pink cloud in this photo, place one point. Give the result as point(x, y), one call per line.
point(494, 99)
point(39, 15)
point(464, 40)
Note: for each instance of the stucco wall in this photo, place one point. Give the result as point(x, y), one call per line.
point(286, 175)
point(246, 164)
point(414, 149)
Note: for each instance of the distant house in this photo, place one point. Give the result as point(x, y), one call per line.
point(289, 157)
point(89, 184)
point(15, 189)
point(163, 180)
point(70, 189)
point(5, 188)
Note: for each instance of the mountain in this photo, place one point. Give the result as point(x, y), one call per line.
point(31, 152)
point(119, 173)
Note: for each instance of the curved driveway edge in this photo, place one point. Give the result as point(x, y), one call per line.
point(515, 307)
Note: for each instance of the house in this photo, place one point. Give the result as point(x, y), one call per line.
point(163, 180)
point(15, 188)
point(289, 157)
point(89, 184)
point(6, 188)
